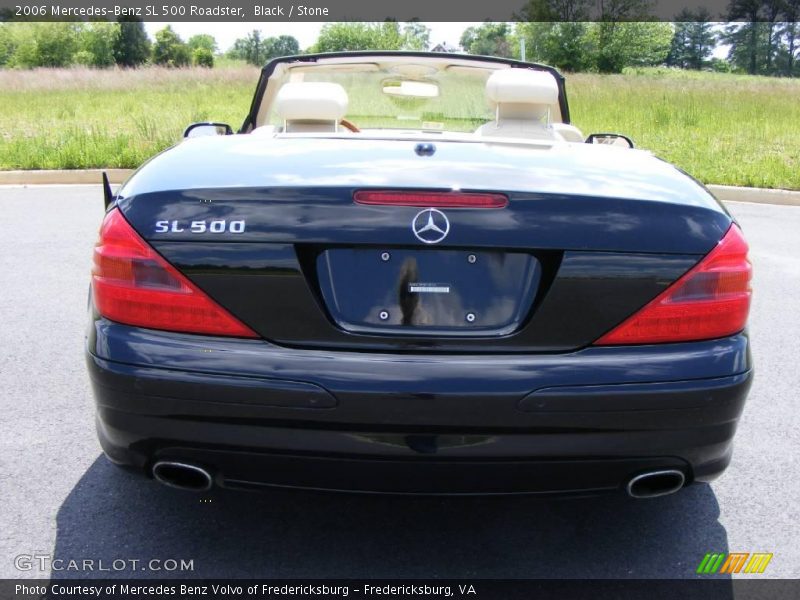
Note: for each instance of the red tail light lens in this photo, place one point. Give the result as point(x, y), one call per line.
point(430, 199)
point(711, 300)
point(133, 284)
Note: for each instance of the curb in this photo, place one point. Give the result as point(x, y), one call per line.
point(729, 193)
point(63, 176)
point(726, 193)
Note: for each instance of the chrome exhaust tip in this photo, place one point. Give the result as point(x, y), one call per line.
point(182, 476)
point(656, 483)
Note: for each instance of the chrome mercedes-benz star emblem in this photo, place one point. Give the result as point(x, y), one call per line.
point(430, 226)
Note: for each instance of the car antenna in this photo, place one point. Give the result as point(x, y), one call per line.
point(108, 195)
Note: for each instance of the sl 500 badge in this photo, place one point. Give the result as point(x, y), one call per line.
point(214, 226)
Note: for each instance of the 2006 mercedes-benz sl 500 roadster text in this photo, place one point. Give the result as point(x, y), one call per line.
point(409, 273)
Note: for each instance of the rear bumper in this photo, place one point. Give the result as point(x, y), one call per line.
point(257, 414)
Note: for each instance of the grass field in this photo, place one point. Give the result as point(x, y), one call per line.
point(721, 128)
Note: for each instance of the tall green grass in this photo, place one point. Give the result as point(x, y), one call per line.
point(721, 128)
point(81, 118)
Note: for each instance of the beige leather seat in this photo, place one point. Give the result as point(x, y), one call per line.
point(522, 100)
point(569, 132)
point(311, 106)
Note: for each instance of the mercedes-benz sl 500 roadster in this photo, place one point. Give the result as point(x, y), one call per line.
point(411, 273)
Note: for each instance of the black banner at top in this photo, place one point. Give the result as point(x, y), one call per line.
point(381, 10)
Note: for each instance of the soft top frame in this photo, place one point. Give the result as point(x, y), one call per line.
point(269, 69)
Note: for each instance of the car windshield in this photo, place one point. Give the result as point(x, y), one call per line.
point(413, 96)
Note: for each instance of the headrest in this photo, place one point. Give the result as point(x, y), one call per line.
point(311, 101)
point(521, 86)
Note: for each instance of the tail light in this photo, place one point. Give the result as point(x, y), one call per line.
point(430, 199)
point(711, 300)
point(133, 284)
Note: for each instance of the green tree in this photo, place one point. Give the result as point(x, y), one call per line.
point(535, 35)
point(203, 57)
point(625, 44)
point(97, 42)
point(618, 24)
point(488, 39)
point(416, 36)
point(335, 37)
point(56, 43)
point(615, 11)
point(30, 45)
point(83, 58)
point(678, 48)
point(131, 46)
point(791, 35)
point(169, 49)
point(6, 44)
point(603, 46)
point(202, 40)
point(283, 45)
point(388, 36)
point(766, 38)
point(258, 51)
point(694, 40)
point(745, 38)
point(771, 11)
point(747, 43)
point(13, 36)
point(549, 11)
point(569, 46)
point(558, 33)
point(248, 48)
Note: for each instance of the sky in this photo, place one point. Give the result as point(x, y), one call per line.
point(305, 33)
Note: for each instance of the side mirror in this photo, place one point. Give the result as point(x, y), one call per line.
point(610, 139)
point(205, 129)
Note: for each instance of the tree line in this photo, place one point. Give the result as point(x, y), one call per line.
point(768, 41)
point(126, 44)
point(765, 40)
point(100, 44)
point(762, 37)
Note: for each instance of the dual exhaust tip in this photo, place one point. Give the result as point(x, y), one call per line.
point(655, 483)
point(185, 476)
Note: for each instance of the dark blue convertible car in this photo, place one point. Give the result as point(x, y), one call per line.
point(410, 273)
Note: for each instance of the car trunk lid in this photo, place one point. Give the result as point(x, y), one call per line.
point(304, 264)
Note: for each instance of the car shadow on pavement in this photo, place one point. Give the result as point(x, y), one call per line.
point(113, 514)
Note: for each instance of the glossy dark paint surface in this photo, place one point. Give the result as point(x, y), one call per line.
point(602, 256)
point(329, 216)
point(273, 289)
point(535, 418)
point(405, 375)
point(564, 178)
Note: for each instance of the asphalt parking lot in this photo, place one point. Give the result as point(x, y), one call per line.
point(60, 497)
